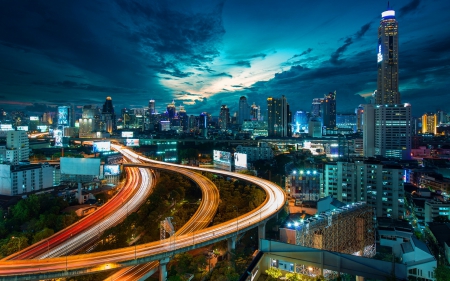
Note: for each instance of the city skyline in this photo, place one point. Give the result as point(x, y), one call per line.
point(205, 55)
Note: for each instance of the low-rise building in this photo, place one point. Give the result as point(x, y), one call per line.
point(20, 179)
point(261, 152)
point(435, 208)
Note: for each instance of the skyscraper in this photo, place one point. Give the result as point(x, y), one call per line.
point(108, 116)
point(171, 110)
point(224, 117)
point(278, 117)
point(429, 123)
point(387, 59)
point(244, 110)
point(255, 112)
point(329, 110)
point(387, 127)
point(151, 107)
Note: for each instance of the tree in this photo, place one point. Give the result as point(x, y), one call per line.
point(46, 232)
point(274, 273)
point(441, 273)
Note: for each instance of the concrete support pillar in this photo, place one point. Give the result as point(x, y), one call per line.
point(231, 243)
point(262, 230)
point(163, 269)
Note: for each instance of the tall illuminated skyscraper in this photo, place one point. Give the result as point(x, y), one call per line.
point(387, 127)
point(278, 117)
point(387, 59)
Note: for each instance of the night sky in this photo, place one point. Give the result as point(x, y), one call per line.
point(206, 53)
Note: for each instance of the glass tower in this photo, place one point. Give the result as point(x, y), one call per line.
point(387, 59)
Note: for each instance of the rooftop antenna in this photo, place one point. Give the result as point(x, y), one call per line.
point(388, 6)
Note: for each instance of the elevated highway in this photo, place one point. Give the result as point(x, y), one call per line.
point(156, 251)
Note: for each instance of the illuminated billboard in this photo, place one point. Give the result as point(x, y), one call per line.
point(222, 156)
point(58, 135)
point(101, 146)
point(127, 134)
point(240, 160)
point(34, 118)
point(6, 127)
point(132, 142)
point(63, 115)
point(80, 166)
point(42, 128)
point(111, 170)
point(22, 128)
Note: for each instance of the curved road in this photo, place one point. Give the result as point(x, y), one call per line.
point(86, 263)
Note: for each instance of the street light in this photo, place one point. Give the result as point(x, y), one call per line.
point(18, 238)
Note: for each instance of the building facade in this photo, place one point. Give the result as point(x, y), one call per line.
point(19, 179)
point(278, 117)
point(381, 186)
point(17, 147)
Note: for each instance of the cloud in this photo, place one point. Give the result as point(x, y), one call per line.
point(307, 51)
point(223, 74)
point(334, 58)
point(261, 55)
point(38, 107)
point(409, 8)
point(67, 84)
point(362, 31)
point(243, 63)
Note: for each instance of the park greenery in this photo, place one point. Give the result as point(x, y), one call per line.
point(32, 219)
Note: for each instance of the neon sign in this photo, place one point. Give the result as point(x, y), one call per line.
point(379, 55)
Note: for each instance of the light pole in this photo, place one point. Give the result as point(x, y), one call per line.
point(18, 238)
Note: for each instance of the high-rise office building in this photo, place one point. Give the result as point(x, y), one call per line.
point(108, 116)
point(387, 59)
point(278, 117)
point(224, 117)
point(429, 123)
point(171, 110)
point(89, 122)
point(17, 147)
point(300, 123)
point(244, 110)
point(393, 131)
point(329, 110)
point(151, 107)
point(183, 117)
point(255, 112)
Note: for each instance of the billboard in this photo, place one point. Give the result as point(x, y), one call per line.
point(42, 128)
point(111, 170)
point(34, 118)
point(58, 135)
point(132, 142)
point(222, 156)
point(22, 128)
point(240, 160)
point(101, 146)
point(63, 115)
point(127, 134)
point(80, 166)
point(6, 127)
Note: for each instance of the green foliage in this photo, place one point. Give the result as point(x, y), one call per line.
point(46, 232)
point(14, 244)
point(274, 273)
point(170, 198)
point(441, 273)
point(441, 219)
point(33, 219)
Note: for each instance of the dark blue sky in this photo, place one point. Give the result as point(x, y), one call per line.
point(206, 53)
